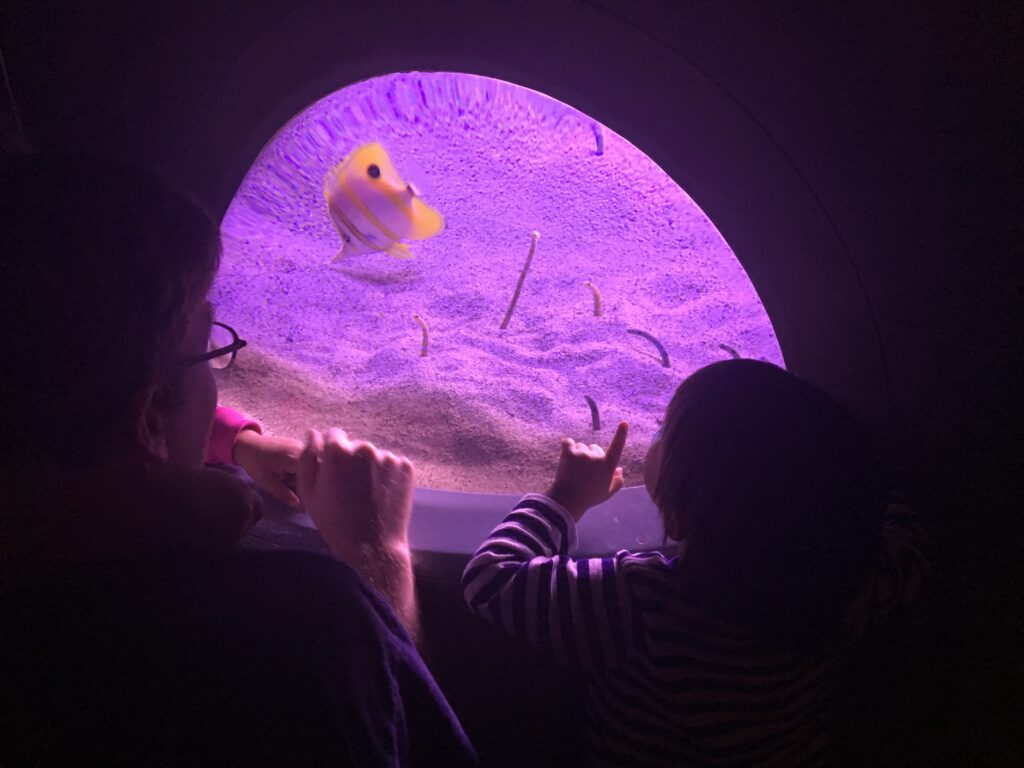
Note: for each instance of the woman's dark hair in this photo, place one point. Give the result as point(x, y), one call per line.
point(778, 492)
point(102, 262)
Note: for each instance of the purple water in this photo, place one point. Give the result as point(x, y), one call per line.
point(337, 345)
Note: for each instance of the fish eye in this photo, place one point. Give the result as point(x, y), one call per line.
point(373, 171)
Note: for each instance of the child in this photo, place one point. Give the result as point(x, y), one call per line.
point(724, 654)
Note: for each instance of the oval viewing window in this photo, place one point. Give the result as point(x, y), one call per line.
point(401, 342)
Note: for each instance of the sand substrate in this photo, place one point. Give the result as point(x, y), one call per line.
point(336, 343)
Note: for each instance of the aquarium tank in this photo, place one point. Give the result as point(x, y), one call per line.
point(465, 271)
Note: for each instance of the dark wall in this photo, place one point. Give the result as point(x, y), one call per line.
point(145, 77)
point(863, 160)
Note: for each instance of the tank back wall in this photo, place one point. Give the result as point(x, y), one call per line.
point(858, 157)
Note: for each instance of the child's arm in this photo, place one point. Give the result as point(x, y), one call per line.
point(227, 425)
point(523, 580)
point(270, 461)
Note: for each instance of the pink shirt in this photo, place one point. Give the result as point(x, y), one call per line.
point(227, 423)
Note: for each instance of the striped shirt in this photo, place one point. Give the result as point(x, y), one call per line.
point(666, 684)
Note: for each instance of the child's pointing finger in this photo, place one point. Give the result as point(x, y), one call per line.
point(618, 442)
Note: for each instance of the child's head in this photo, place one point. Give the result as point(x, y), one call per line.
point(105, 276)
point(777, 492)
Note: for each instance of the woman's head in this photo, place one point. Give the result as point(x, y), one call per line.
point(776, 490)
point(106, 271)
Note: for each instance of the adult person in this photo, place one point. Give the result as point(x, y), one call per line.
point(133, 628)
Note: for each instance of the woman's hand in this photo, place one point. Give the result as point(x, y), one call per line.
point(587, 474)
point(272, 462)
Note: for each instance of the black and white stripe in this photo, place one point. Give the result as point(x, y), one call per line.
point(667, 684)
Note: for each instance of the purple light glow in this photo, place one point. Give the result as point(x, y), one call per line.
point(337, 344)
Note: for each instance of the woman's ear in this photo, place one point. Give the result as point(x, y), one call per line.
point(149, 419)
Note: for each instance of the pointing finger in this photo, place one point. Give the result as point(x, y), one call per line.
point(617, 482)
point(617, 444)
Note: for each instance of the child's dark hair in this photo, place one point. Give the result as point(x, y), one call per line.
point(102, 262)
point(778, 492)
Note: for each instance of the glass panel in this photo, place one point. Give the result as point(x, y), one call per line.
point(403, 345)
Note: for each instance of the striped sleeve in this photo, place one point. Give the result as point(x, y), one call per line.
point(524, 581)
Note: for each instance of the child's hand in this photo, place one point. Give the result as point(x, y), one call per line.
point(587, 475)
point(271, 462)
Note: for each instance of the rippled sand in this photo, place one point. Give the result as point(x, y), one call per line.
point(336, 344)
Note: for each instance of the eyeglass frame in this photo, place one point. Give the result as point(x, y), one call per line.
point(231, 349)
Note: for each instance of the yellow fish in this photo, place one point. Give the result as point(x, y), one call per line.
point(373, 209)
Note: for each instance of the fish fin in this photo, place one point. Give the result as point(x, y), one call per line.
point(426, 222)
point(399, 251)
point(339, 255)
point(414, 176)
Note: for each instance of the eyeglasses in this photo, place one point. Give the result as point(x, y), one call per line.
point(221, 349)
